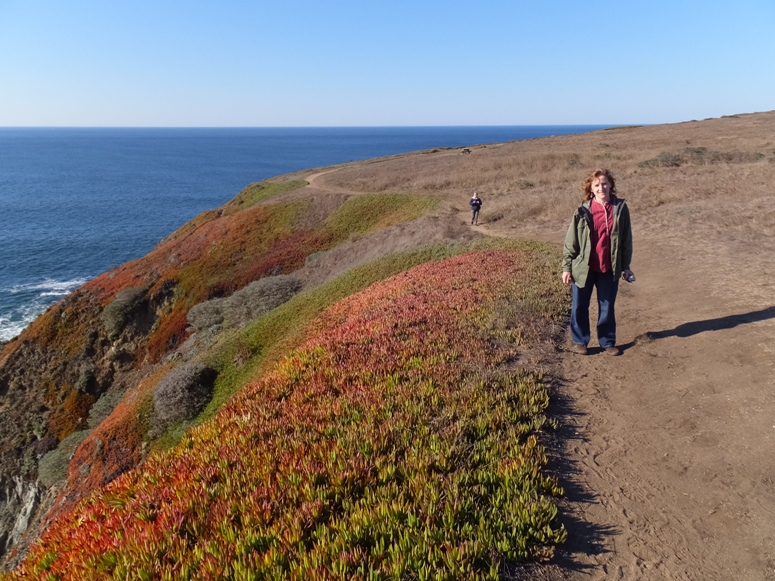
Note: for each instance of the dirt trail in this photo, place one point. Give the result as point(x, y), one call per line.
point(319, 186)
point(669, 455)
point(671, 444)
point(668, 460)
point(313, 179)
point(668, 451)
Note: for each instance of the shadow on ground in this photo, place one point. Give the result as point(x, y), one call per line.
point(584, 538)
point(697, 327)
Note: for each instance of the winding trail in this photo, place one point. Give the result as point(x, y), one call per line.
point(313, 181)
point(668, 451)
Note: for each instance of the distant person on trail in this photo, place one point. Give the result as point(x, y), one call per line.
point(476, 205)
point(598, 251)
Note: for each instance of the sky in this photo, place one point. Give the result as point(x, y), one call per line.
point(240, 63)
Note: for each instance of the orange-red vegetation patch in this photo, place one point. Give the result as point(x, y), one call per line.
point(111, 449)
point(197, 256)
point(71, 415)
point(389, 444)
point(170, 334)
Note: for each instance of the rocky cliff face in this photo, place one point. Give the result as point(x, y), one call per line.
point(57, 383)
point(61, 379)
point(19, 501)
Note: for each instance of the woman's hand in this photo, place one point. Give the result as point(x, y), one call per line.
point(567, 278)
point(628, 275)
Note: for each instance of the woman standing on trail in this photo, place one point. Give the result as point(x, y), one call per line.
point(598, 251)
point(476, 205)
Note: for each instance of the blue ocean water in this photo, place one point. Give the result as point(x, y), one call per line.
point(77, 202)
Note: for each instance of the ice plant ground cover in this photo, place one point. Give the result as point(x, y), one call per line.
point(243, 354)
point(399, 440)
point(223, 250)
point(238, 359)
point(220, 251)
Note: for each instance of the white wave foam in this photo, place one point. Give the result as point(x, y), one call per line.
point(10, 329)
point(49, 286)
point(36, 298)
point(20, 318)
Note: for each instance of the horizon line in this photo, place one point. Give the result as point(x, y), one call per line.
point(318, 126)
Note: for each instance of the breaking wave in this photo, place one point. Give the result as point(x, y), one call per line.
point(23, 303)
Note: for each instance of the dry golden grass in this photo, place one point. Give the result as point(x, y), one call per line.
point(532, 187)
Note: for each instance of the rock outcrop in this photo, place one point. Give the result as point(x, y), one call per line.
point(19, 500)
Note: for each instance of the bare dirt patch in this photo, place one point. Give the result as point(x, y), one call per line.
point(326, 266)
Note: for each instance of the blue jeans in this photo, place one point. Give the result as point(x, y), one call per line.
point(607, 287)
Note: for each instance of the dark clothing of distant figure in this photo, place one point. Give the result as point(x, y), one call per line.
point(476, 205)
point(598, 248)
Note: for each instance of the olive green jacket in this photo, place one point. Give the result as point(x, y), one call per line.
point(578, 243)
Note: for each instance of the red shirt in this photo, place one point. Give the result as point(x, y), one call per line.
point(602, 225)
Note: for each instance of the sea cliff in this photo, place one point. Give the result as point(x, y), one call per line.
point(114, 376)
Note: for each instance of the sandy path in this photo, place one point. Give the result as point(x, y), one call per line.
point(669, 450)
point(671, 445)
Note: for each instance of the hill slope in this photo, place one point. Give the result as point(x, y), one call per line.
point(78, 385)
point(399, 439)
point(666, 462)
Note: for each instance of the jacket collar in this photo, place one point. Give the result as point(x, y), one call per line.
point(585, 209)
point(615, 201)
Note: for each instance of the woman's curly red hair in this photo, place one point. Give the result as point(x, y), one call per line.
point(587, 187)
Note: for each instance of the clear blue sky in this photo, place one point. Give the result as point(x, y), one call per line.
point(403, 62)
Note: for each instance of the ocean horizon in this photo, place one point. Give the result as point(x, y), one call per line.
point(78, 201)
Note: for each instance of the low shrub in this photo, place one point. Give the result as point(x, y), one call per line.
point(116, 314)
point(735, 157)
point(258, 298)
point(103, 407)
point(245, 304)
point(574, 160)
point(182, 394)
point(314, 257)
point(664, 159)
point(206, 315)
point(52, 467)
point(701, 156)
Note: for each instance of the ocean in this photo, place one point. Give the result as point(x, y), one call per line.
point(77, 202)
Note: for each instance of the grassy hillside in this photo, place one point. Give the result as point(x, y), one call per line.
point(143, 365)
point(532, 187)
point(82, 383)
point(398, 439)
